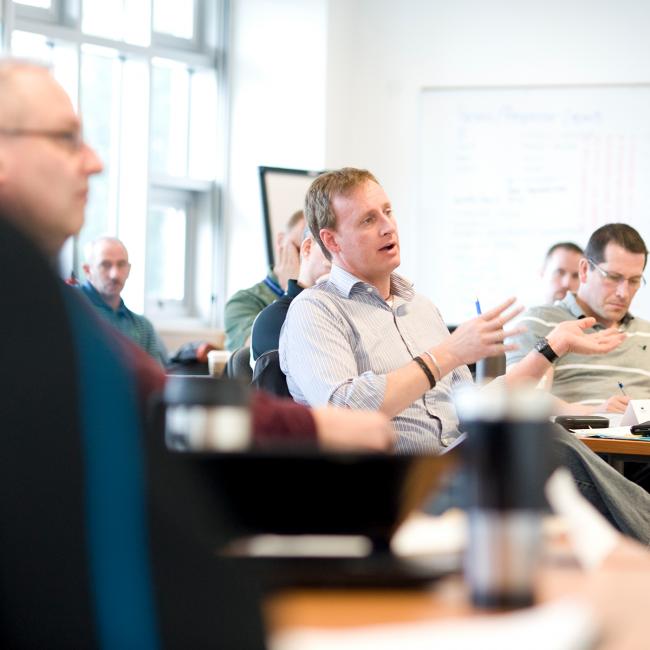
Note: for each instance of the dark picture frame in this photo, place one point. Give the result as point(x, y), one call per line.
point(283, 193)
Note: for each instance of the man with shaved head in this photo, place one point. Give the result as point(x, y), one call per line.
point(107, 268)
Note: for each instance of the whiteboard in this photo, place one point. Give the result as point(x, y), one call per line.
point(506, 172)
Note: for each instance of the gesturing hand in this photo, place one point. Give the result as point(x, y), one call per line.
point(287, 264)
point(569, 336)
point(483, 336)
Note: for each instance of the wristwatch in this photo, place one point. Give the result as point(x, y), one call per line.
point(545, 349)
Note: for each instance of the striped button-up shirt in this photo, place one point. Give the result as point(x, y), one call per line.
point(590, 379)
point(341, 338)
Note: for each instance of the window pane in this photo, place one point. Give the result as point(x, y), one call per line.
point(166, 253)
point(41, 4)
point(31, 46)
point(61, 56)
point(134, 149)
point(203, 125)
point(137, 22)
point(169, 115)
point(128, 21)
point(174, 17)
point(100, 70)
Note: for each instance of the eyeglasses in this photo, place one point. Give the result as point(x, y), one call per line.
point(72, 140)
point(614, 279)
point(121, 265)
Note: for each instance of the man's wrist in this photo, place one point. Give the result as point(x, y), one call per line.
point(544, 347)
point(558, 343)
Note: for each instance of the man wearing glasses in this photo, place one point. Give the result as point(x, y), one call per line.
point(611, 272)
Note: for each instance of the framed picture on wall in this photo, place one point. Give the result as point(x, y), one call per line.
point(283, 193)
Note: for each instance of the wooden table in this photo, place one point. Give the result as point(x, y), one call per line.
point(618, 452)
point(618, 592)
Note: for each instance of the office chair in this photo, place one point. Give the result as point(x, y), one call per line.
point(238, 366)
point(94, 551)
point(268, 376)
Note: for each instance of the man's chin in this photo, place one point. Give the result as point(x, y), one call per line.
point(616, 314)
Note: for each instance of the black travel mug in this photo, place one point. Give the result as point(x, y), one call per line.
point(508, 459)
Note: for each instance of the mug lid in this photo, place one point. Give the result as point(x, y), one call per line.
point(206, 391)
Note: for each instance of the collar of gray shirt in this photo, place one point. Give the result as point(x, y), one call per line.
point(570, 303)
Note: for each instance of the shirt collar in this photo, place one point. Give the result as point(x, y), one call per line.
point(272, 282)
point(570, 303)
point(293, 288)
point(98, 301)
point(345, 282)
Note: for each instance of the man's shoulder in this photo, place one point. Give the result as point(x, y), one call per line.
point(257, 294)
point(272, 312)
point(141, 319)
point(638, 324)
point(549, 315)
point(324, 294)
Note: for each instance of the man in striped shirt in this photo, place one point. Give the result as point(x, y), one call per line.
point(611, 272)
point(365, 339)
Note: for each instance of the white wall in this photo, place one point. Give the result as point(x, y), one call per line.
point(278, 81)
point(382, 52)
point(326, 83)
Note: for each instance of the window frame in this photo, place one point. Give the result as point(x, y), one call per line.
point(62, 24)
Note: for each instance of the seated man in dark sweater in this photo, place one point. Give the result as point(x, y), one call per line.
point(96, 553)
point(265, 334)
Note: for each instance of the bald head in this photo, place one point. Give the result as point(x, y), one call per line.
point(107, 268)
point(44, 163)
point(15, 78)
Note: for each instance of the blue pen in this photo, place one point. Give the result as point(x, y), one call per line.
point(620, 385)
point(478, 307)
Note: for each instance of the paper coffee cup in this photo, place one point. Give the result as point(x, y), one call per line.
point(217, 360)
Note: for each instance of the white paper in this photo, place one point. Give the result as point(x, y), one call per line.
point(611, 432)
point(637, 411)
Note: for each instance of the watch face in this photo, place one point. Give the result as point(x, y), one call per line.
point(543, 347)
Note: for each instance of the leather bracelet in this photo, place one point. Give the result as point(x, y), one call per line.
point(425, 369)
point(435, 363)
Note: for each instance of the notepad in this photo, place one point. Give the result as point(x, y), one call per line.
point(617, 433)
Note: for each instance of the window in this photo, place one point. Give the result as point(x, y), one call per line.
point(146, 78)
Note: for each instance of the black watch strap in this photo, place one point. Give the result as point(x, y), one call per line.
point(545, 349)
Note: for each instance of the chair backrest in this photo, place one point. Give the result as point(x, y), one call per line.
point(268, 376)
point(239, 365)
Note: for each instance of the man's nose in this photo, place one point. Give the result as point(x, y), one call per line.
point(92, 162)
point(623, 289)
point(387, 225)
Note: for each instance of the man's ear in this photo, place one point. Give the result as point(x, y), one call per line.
point(86, 268)
point(305, 248)
point(328, 237)
point(583, 267)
